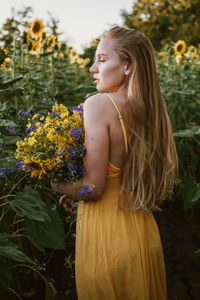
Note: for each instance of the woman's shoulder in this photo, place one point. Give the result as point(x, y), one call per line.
point(96, 107)
point(97, 101)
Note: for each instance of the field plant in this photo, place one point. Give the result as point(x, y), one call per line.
point(36, 70)
point(179, 74)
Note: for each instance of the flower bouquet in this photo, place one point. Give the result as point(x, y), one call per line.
point(54, 147)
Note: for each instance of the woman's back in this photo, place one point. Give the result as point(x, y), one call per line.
point(117, 149)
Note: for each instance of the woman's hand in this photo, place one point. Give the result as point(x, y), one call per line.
point(66, 203)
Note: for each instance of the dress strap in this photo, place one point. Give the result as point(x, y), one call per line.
point(121, 121)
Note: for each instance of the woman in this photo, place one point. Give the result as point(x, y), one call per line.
point(130, 164)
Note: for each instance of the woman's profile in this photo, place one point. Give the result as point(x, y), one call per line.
point(131, 164)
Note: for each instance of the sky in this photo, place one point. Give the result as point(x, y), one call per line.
point(80, 20)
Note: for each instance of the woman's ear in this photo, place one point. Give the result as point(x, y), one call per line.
point(128, 68)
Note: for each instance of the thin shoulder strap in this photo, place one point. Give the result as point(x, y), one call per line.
point(121, 121)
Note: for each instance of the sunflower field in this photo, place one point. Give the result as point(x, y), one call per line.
point(36, 235)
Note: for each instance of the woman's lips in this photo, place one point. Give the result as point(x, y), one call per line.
point(96, 80)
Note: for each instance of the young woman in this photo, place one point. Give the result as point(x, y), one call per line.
point(131, 164)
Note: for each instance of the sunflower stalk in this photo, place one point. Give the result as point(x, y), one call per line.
point(52, 72)
point(14, 72)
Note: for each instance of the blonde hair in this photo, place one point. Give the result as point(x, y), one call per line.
point(150, 166)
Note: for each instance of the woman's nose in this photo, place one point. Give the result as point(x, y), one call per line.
point(93, 69)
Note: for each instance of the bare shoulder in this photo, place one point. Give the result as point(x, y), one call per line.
point(97, 103)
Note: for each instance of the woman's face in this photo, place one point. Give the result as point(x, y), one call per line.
point(108, 69)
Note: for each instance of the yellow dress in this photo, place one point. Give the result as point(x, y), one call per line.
point(118, 254)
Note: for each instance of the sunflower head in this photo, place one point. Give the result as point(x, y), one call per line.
point(35, 167)
point(3, 57)
point(36, 28)
point(179, 47)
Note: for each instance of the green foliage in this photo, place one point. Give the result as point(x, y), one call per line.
point(29, 204)
point(31, 80)
point(165, 21)
point(179, 78)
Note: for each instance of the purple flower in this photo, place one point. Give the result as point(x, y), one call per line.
point(28, 113)
point(20, 112)
point(73, 152)
point(76, 133)
point(5, 171)
point(85, 190)
point(44, 100)
point(54, 207)
point(79, 109)
point(1, 143)
point(55, 114)
point(11, 130)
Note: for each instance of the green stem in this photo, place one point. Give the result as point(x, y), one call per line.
point(14, 72)
point(33, 269)
point(21, 179)
point(15, 293)
point(6, 196)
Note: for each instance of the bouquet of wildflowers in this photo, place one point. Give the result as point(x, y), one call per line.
point(54, 147)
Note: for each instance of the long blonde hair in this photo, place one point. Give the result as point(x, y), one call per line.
point(150, 166)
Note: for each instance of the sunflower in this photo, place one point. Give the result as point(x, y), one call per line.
point(179, 47)
point(35, 167)
point(28, 37)
point(161, 54)
point(51, 41)
point(35, 48)
point(36, 29)
point(3, 57)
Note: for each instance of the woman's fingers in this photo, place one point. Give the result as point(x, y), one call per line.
point(66, 203)
point(63, 199)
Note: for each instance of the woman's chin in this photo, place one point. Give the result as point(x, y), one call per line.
point(101, 89)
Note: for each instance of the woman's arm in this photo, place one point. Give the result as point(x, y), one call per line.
point(97, 146)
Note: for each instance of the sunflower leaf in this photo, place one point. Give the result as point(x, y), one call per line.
point(29, 204)
point(10, 82)
point(48, 234)
point(10, 250)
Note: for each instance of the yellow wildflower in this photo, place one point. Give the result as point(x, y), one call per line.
point(3, 57)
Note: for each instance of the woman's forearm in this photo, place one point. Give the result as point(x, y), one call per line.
point(79, 190)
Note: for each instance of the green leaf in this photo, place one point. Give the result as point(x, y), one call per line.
point(7, 93)
point(190, 193)
point(47, 234)
point(187, 132)
point(9, 140)
point(7, 123)
point(182, 149)
point(4, 107)
point(10, 82)
point(186, 92)
point(5, 278)
point(10, 250)
point(29, 204)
